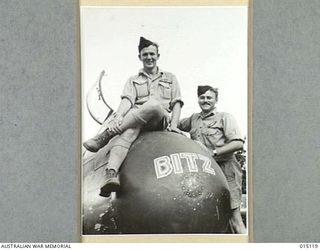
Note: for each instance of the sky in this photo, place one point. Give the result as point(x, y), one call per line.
point(199, 45)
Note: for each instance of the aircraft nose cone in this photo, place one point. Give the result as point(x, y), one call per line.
point(169, 184)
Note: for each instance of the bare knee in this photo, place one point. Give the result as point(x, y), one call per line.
point(152, 107)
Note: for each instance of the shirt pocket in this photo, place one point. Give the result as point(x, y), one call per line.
point(212, 136)
point(165, 89)
point(215, 131)
point(141, 88)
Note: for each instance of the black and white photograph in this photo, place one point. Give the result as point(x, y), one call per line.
point(164, 93)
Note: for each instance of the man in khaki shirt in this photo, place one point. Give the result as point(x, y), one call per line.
point(219, 133)
point(146, 102)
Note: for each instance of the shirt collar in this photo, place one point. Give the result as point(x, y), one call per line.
point(211, 113)
point(142, 72)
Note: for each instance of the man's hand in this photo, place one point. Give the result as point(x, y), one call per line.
point(115, 125)
point(174, 129)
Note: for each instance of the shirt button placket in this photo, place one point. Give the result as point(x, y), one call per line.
point(151, 84)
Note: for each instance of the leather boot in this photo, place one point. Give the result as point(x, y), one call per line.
point(99, 141)
point(111, 184)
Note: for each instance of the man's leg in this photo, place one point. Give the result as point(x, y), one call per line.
point(236, 222)
point(151, 110)
point(134, 118)
point(233, 173)
point(118, 153)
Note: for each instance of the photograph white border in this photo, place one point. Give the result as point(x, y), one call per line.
point(174, 238)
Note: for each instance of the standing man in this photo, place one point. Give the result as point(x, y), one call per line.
point(219, 133)
point(146, 102)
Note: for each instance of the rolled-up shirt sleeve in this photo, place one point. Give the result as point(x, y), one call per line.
point(129, 92)
point(175, 93)
point(231, 129)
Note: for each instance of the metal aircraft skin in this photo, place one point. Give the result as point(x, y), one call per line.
point(169, 184)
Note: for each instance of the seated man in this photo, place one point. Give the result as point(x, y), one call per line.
point(147, 100)
point(219, 133)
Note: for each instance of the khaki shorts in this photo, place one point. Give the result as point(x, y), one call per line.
point(233, 173)
point(158, 123)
